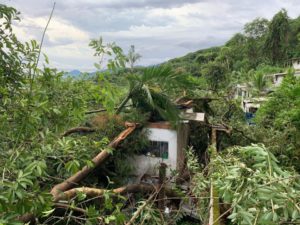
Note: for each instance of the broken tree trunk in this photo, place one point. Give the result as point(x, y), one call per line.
point(214, 211)
point(97, 160)
point(96, 192)
point(162, 180)
point(78, 129)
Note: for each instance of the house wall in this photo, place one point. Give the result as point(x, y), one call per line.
point(296, 64)
point(143, 164)
point(182, 142)
point(278, 80)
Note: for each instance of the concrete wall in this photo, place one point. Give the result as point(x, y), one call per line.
point(278, 80)
point(144, 164)
point(296, 64)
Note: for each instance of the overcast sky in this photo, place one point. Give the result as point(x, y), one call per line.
point(159, 29)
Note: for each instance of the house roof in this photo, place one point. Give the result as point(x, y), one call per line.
point(255, 100)
point(293, 59)
point(160, 125)
point(200, 117)
point(279, 74)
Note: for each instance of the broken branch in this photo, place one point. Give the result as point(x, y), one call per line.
point(97, 160)
point(78, 129)
point(96, 192)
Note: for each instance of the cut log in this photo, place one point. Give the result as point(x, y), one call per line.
point(97, 160)
point(130, 188)
point(96, 192)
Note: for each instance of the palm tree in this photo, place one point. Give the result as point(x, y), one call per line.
point(132, 57)
point(150, 91)
point(259, 82)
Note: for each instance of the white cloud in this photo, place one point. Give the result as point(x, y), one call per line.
point(160, 29)
point(57, 31)
point(65, 44)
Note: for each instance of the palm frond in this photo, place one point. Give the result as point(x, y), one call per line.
point(259, 81)
point(166, 78)
point(148, 94)
point(166, 108)
point(156, 74)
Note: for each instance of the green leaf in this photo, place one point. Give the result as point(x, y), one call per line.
point(48, 213)
point(295, 214)
point(80, 196)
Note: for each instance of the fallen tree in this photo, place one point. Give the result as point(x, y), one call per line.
point(58, 191)
point(97, 160)
point(96, 192)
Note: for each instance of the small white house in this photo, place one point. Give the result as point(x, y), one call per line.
point(167, 145)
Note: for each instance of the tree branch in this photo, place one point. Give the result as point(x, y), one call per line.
point(58, 189)
point(78, 129)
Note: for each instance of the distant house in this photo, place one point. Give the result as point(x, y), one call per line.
point(242, 91)
point(278, 77)
point(295, 63)
point(167, 145)
point(250, 106)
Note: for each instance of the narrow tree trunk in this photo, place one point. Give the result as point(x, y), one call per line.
point(123, 103)
point(214, 138)
point(162, 180)
point(97, 160)
point(214, 211)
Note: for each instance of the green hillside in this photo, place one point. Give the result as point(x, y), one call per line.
point(262, 45)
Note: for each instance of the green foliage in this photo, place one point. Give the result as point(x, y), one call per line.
point(252, 184)
point(149, 214)
point(278, 121)
point(258, 190)
point(255, 33)
point(37, 105)
point(117, 58)
point(257, 28)
point(215, 74)
point(276, 44)
point(108, 92)
point(150, 91)
point(200, 185)
point(259, 82)
point(262, 43)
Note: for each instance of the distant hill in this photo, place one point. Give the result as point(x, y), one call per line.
point(262, 43)
point(191, 61)
point(73, 73)
point(79, 74)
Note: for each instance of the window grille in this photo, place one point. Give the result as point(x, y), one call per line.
point(159, 149)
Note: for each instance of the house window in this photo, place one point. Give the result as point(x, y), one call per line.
point(159, 149)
